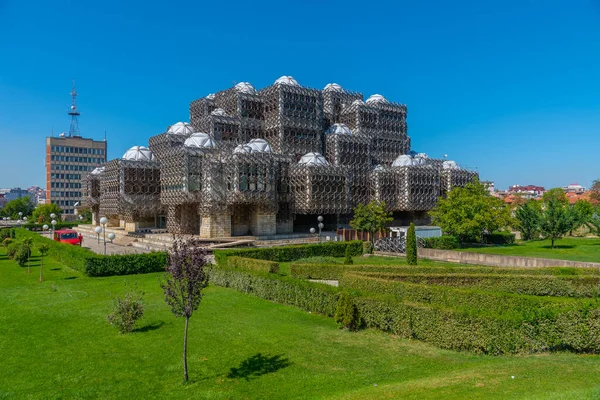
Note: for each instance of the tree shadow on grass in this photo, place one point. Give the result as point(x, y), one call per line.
point(559, 246)
point(55, 269)
point(258, 365)
point(148, 328)
point(70, 278)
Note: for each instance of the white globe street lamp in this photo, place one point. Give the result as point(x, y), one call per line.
point(45, 228)
point(111, 236)
point(104, 221)
point(53, 226)
point(321, 226)
point(98, 230)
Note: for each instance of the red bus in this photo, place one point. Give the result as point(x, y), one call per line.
point(67, 236)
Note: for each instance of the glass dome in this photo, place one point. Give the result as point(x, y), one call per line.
point(338, 129)
point(97, 171)
point(313, 159)
point(218, 111)
point(242, 149)
point(287, 80)
point(450, 165)
point(334, 87)
point(180, 128)
point(245, 87)
point(403, 160)
point(139, 153)
point(200, 140)
point(259, 146)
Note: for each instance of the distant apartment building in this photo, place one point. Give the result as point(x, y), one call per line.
point(489, 185)
point(68, 161)
point(16, 193)
point(528, 192)
point(574, 188)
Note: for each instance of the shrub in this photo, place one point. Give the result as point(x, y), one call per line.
point(348, 257)
point(7, 233)
point(7, 242)
point(252, 264)
point(22, 254)
point(445, 242)
point(411, 245)
point(499, 238)
point(125, 264)
point(12, 249)
point(346, 312)
point(292, 253)
point(367, 247)
point(127, 310)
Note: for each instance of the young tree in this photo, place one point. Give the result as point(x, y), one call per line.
point(44, 248)
point(371, 218)
point(187, 275)
point(42, 213)
point(556, 220)
point(411, 245)
point(470, 211)
point(582, 213)
point(528, 219)
point(6, 242)
point(27, 243)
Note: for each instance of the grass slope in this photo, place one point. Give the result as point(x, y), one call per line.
point(569, 248)
point(56, 343)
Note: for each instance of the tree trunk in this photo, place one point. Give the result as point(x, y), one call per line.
point(28, 269)
point(185, 369)
point(41, 268)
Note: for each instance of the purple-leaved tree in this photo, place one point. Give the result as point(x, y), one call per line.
point(187, 274)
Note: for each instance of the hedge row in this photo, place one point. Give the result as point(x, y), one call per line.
point(535, 285)
point(445, 242)
point(498, 238)
point(293, 252)
point(253, 264)
point(313, 297)
point(92, 264)
point(468, 301)
point(575, 330)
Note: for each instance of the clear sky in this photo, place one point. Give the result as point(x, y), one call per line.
point(509, 87)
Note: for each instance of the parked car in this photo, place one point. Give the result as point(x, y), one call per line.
point(68, 236)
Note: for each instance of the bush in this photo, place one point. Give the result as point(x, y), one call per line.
point(346, 313)
point(367, 247)
point(498, 238)
point(348, 257)
point(252, 264)
point(7, 233)
point(7, 242)
point(22, 254)
point(292, 253)
point(411, 245)
point(127, 310)
point(12, 249)
point(125, 264)
point(445, 242)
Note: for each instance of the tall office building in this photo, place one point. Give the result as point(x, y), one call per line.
point(69, 158)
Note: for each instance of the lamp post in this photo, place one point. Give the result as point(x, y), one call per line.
point(111, 237)
point(321, 226)
point(20, 216)
point(45, 228)
point(104, 221)
point(53, 226)
point(98, 230)
point(53, 218)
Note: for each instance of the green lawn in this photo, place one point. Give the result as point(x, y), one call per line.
point(55, 343)
point(569, 248)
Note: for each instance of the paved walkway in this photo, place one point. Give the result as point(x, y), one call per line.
point(111, 248)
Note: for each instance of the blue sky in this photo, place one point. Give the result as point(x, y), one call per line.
point(511, 88)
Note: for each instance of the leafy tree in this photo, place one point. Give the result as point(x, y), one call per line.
point(21, 255)
point(556, 220)
point(411, 245)
point(41, 214)
point(187, 275)
point(43, 248)
point(371, 218)
point(557, 194)
point(582, 213)
point(27, 243)
point(528, 219)
point(470, 211)
point(595, 191)
point(594, 222)
point(13, 207)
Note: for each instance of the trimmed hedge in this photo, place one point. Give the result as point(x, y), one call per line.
point(498, 238)
point(313, 297)
point(93, 264)
point(535, 285)
point(125, 264)
point(445, 242)
point(293, 252)
point(253, 264)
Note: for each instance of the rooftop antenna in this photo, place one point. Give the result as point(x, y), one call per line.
point(74, 129)
point(105, 135)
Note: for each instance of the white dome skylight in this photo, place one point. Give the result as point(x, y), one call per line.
point(245, 87)
point(338, 129)
point(200, 140)
point(139, 153)
point(420, 159)
point(450, 165)
point(358, 102)
point(287, 80)
point(259, 146)
point(376, 98)
point(180, 128)
point(334, 87)
point(218, 111)
point(97, 171)
point(313, 159)
point(403, 160)
point(242, 149)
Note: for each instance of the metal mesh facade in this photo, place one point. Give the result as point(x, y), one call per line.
point(252, 162)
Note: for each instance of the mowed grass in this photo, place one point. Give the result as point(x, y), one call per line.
point(55, 343)
point(569, 248)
